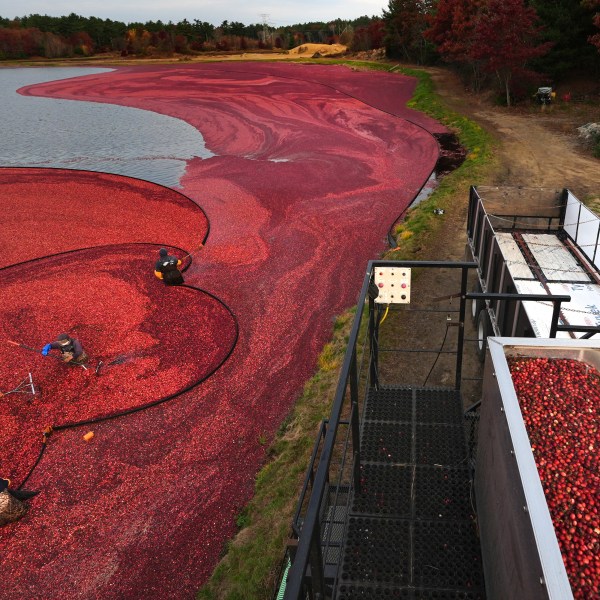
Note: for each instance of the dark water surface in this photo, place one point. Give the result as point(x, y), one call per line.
point(44, 132)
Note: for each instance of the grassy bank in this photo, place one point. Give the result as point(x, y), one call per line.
point(251, 562)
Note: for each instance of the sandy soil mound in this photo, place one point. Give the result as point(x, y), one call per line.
point(307, 50)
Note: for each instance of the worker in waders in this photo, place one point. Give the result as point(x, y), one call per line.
point(12, 507)
point(166, 268)
point(70, 349)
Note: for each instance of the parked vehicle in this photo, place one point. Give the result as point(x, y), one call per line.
point(544, 95)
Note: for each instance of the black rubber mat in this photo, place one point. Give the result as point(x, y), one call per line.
point(410, 532)
point(367, 554)
point(387, 442)
point(365, 592)
point(440, 445)
point(385, 491)
point(388, 404)
point(442, 493)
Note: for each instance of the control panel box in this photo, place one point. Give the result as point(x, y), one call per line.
point(393, 285)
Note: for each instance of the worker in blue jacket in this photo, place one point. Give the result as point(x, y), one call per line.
point(70, 349)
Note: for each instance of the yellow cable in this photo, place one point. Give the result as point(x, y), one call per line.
point(385, 315)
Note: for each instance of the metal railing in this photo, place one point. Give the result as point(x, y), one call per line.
point(310, 574)
point(306, 576)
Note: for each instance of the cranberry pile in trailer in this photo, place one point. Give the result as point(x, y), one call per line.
point(560, 403)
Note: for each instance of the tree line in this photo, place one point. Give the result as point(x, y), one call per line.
point(511, 42)
point(72, 35)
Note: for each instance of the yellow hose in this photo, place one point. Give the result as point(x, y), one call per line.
point(385, 314)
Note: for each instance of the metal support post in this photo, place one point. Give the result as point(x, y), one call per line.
point(354, 419)
point(461, 327)
point(555, 317)
point(373, 346)
point(316, 564)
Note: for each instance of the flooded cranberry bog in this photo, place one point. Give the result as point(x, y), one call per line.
point(312, 165)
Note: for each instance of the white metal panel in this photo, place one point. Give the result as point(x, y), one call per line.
point(583, 226)
point(538, 313)
point(515, 261)
point(556, 262)
point(584, 308)
point(572, 216)
point(587, 234)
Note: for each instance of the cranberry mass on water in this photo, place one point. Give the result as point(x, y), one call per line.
point(560, 404)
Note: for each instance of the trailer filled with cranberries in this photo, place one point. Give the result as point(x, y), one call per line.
point(537, 475)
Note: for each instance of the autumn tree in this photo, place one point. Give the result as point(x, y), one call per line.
point(452, 29)
point(592, 4)
point(506, 39)
point(138, 39)
point(54, 46)
point(20, 43)
point(82, 43)
point(370, 37)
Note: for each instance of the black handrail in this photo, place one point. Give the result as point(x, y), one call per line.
point(310, 526)
point(308, 550)
point(308, 554)
point(309, 478)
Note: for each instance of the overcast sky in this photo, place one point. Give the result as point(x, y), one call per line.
point(275, 12)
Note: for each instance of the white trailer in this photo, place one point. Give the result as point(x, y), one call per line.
point(534, 241)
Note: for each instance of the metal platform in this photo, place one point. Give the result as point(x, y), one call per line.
point(410, 530)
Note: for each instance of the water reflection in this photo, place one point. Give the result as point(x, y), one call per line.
point(43, 132)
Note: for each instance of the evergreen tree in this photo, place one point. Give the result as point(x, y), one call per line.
point(568, 25)
point(405, 22)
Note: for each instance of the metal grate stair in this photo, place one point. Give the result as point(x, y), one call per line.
point(410, 532)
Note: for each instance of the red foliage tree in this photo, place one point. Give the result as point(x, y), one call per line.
point(181, 44)
point(494, 36)
point(82, 43)
point(20, 43)
point(370, 37)
point(506, 39)
point(452, 30)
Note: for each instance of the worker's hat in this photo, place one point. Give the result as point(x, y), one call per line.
point(63, 339)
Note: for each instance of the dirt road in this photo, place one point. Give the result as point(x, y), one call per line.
point(537, 149)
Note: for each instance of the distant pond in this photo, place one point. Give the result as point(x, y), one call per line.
point(44, 132)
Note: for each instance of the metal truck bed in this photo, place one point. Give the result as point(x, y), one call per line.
point(554, 271)
point(534, 242)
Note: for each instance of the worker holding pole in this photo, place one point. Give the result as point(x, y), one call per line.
point(71, 350)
